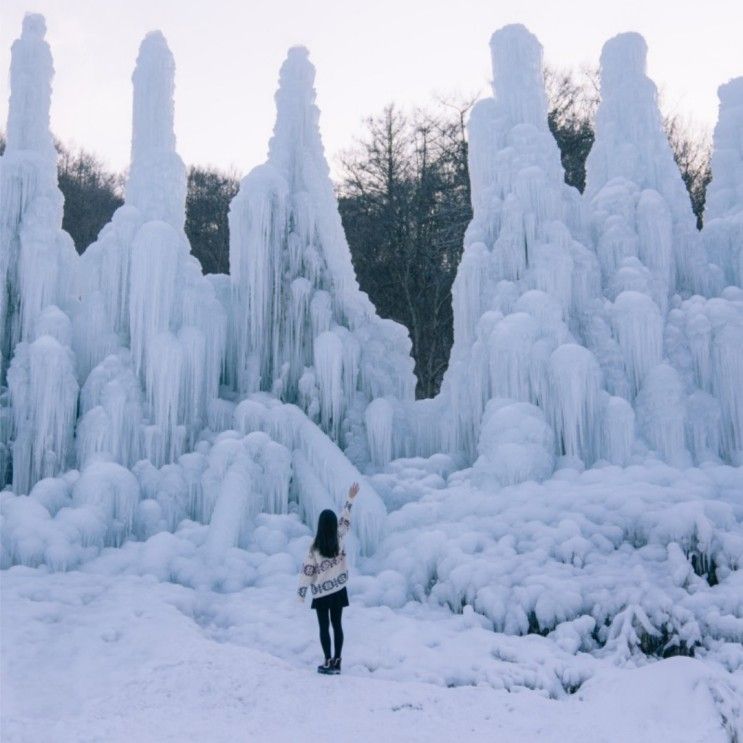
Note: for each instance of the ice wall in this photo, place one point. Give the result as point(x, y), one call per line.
point(127, 436)
point(304, 330)
point(37, 277)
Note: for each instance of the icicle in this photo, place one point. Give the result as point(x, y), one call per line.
point(329, 367)
point(154, 274)
point(510, 356)
point(574, 387)
point(661, 414)
point(639, 330)
point(113, 388)
point(703, 425)
point(728, 373)
point(618, 431)
point(379, 416)
point(43, 394)
point(165, 373)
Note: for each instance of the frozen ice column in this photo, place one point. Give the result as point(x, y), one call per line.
point(723, 210)
point(525, 284)
point(37, 262)
point(157, 184)
point(641, 207)
point(34, 252)
point(304, 330)
point(147, 396)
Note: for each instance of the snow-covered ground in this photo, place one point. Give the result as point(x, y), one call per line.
point(156, 640)
point(90, 657)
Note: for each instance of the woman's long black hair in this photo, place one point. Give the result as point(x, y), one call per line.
point(326, 539)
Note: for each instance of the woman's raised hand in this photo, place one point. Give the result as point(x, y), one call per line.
point(353, 491)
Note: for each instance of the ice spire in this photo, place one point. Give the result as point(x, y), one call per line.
point(518, 77)
point(723, 208)
point(304, 329)
point(32, 246)
point(525, 284)
point(673, 352)
point(150, 329)
point(37, 261)
point(642, 208)
point(157, 182)
point(31, 73)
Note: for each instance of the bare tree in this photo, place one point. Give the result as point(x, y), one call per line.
point(572, 99)
point(91, 194)
point(692, 150)
point(207, 204)
point(405, 203)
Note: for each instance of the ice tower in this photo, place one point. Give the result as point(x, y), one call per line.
point(304, 330)
point(37, 278)
point(723, 209)
point(677, 348)
point(157, 178)
point(523, 291)
point(151, 333)
point(643, 226)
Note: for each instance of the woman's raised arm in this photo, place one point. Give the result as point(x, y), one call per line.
point(344, 522)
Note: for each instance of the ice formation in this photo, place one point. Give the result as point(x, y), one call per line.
point(723, 208)
point(601, 311)
point(591, 417)
point(526, 284)
point(37, 277)
point(640, 206)
point(146, 347)
point(153, 363)
point(304, 330)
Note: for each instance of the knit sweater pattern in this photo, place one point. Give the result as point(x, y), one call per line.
point(321, 575)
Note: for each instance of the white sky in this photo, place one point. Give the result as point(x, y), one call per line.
point(228, 54)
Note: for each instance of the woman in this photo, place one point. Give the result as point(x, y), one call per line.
point(325, 573)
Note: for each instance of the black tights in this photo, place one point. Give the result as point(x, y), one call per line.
point(324, 618)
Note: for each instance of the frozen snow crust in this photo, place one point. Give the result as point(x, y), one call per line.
point(578, 481)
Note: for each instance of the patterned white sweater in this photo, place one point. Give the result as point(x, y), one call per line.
point(326, 575)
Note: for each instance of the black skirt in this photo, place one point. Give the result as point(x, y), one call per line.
point(336, 600)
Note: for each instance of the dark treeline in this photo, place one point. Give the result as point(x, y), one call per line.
point(404, 200)
point(92, 193)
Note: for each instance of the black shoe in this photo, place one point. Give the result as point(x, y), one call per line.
point(335, 666)
point(326, 668)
